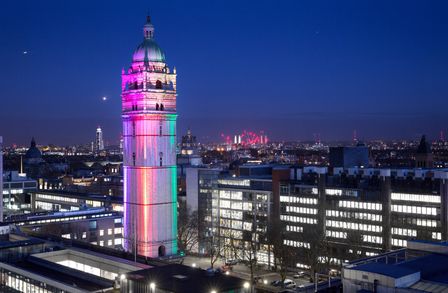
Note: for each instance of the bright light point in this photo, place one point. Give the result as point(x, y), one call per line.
point(227, 273)
point(265, 281)
point(246, 285)
point(213, 291)
point(122, 277)
point(104, 98)
point(25, 52)
point(193, 265)
point(152, 286)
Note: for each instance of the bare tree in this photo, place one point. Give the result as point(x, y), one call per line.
point(355, 243)
point(283, 254)
point(249, 257)
point(188, 231)
point(215, 249)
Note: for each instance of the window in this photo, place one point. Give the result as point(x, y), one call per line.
point(158, 84)
point(101, 232)
point(161, 107)
point(133, 159)
point(157, 106)
point(109, 231)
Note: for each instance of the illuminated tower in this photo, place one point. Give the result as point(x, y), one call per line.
point(149, 153)
point(99, 143)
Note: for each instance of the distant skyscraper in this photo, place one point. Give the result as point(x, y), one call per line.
point(149, 151)
point(99, 142)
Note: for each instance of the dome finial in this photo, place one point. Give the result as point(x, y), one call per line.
point(148, 28)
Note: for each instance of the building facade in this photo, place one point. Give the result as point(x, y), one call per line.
point(149, 159)
point(360, 212)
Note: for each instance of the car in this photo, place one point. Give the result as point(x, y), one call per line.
point(289, 284)
point(231, 262)
point(276, 283)
point(298, 274)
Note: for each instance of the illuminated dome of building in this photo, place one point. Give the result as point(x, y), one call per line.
point(148, 50)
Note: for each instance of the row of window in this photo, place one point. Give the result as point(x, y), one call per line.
point(294, 243)
point(414, 210)
point(301, 210)
point(296, 219)
point(404, 232)
point(355, 215)
point(295, 199)
point(399, 242)
point(340, 192)
point(56, 198)
point(360, 205)
point(291, 228)
point(236, 195)
point(415, 197)
point(231, 214)
point(354, 226)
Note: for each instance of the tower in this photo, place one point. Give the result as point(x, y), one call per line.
point(424, 156)
point(99, 143)
point(149, 151)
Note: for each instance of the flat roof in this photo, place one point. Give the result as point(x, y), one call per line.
point(181, 278)
point(393, 271)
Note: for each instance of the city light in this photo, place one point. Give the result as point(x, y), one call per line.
point(152, 286)
point(122, 277)
point(213, 291)
point(246, 285)
point(193, 265)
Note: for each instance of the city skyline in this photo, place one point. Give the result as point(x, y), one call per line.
point(383, 77)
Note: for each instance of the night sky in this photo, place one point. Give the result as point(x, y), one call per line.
point(290, 68)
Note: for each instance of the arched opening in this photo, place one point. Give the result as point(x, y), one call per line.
point(162, 250)
point(161, 107)
point(158, 84)
point(157, 106)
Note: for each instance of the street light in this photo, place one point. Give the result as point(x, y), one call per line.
point(213, 291)
point(193, 265)
point(152, 286)
point(246, 285)
point(122, 277)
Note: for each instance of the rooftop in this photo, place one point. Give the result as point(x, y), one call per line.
point(180, 278)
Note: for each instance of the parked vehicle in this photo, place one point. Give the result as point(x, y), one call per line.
point(299, 274)
point(289, 284)
point(231, 262)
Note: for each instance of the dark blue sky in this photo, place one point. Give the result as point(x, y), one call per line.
point(291, 68)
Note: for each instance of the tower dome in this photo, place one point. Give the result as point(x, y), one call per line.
point(148, 50)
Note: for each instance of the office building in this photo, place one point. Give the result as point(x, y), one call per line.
point(349, 156)
point(361, 212)
point(241, 211)
point(95, 226)
point(63, 201)
point(16, 192)
point(199, 195)
point(149, 159)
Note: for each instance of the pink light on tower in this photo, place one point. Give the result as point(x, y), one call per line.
point(149, 151)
